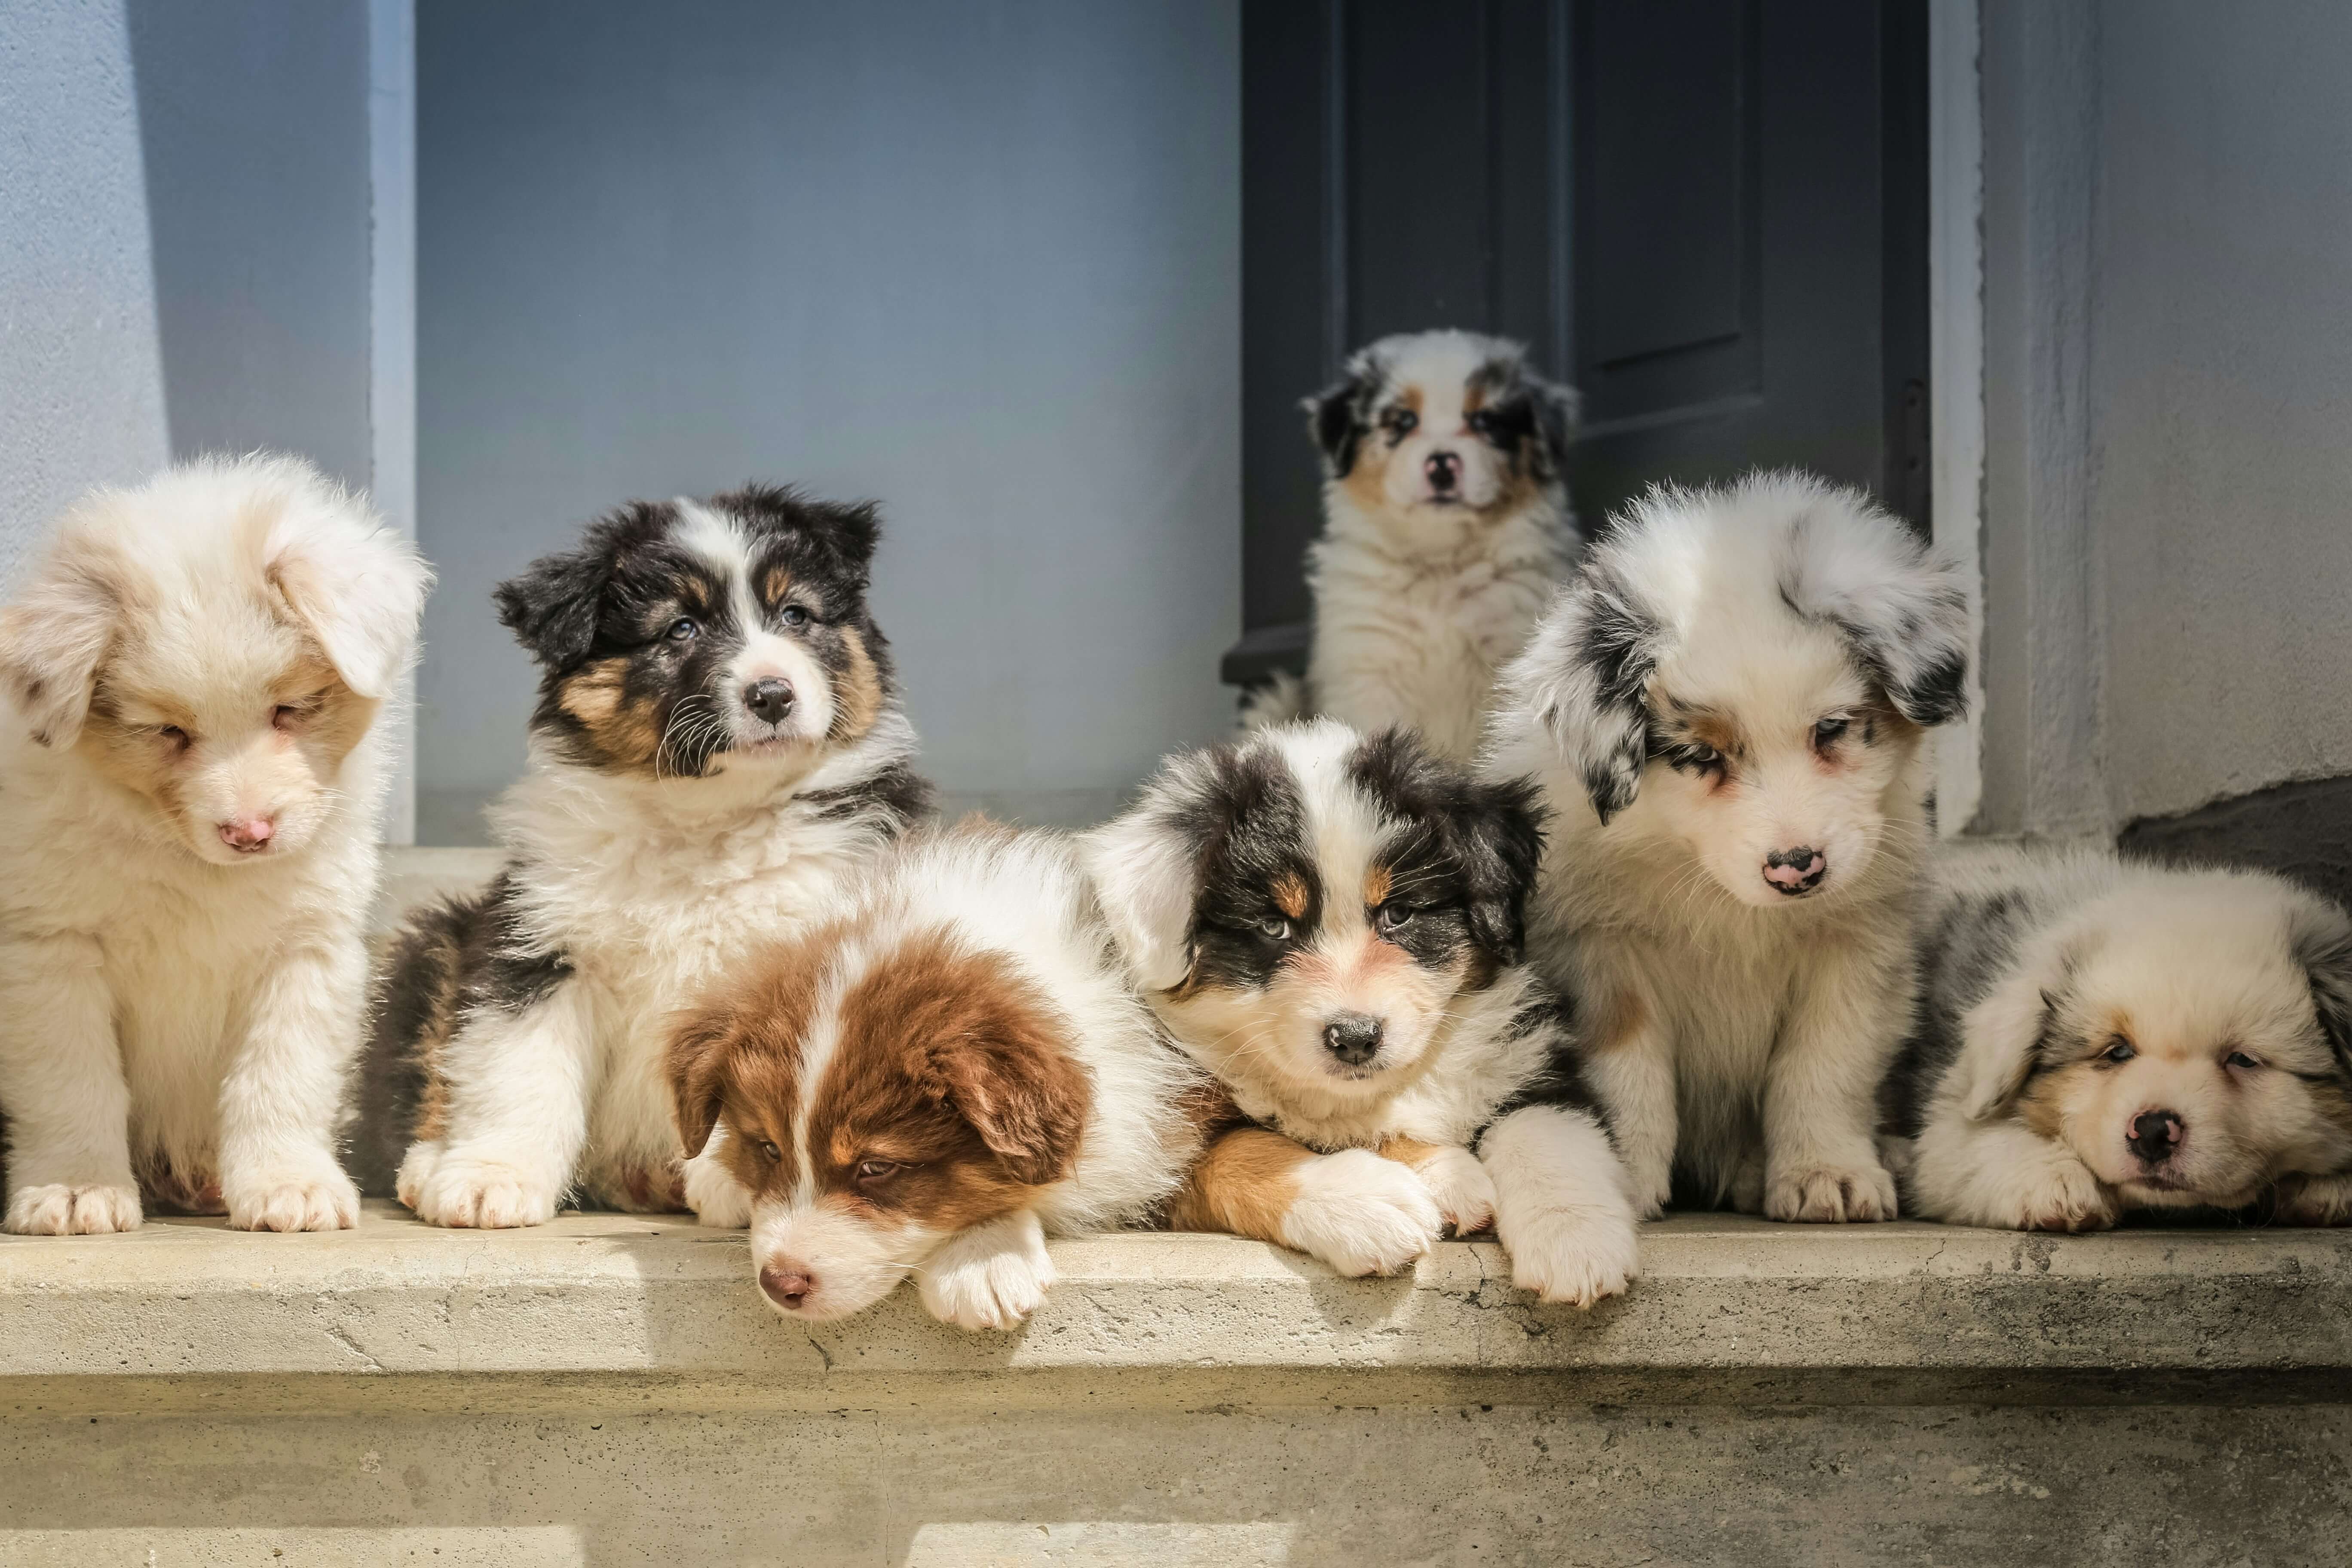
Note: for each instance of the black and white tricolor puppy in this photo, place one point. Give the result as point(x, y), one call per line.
point(1446, 526)
point(1727, 708)
point(1331, 924)
point(718, 750)
point(2098, 1036)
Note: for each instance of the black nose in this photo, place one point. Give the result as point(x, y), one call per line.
point(1798, 870)
point(1352, 1038)
point(1444, 469)
point(2154, 1134)
point(770, 700)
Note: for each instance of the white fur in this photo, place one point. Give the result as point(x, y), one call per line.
point(166, 1003)
point(1741, 1034)
point(1418, 604)
point(1361, 1213)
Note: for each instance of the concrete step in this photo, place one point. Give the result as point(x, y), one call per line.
point(610, 1388)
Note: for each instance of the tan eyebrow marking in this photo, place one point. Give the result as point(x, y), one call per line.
point(1290, 895)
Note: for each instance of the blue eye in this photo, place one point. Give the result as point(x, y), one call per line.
point(793, 615)
point(683, 630)
point(1828, 731)
point(2119, 1051)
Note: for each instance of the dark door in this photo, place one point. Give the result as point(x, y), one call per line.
point(1709, 215)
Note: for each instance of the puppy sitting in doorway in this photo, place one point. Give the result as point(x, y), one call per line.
point(1446, 526)
point(193, 774)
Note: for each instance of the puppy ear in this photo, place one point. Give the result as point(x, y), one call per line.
point(552, 607)
point(699, 1045)
point(1499, 845)
point(1559, 410)
point(1903, 610)
point(358, 587)
point(1583, 680)
point(53, 638)
point(2004, 1037)
point(1146, 869)
point(1336, 415)
point(1022, 1093)
point(2321, 938)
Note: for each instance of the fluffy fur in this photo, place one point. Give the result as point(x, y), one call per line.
point(2098, 1036)
point(932, 1084)
point(190, 773)
point(717, 752)
point(1331, 924)
point(1725, 709)
point(1447, 526)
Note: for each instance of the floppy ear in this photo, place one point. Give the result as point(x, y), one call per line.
point(1022, 1093)
point(1498, 843)
point(554, 604)
point(2003, 1036)
point(699, 1045)
point(358, 587)
point(1583, 680)
point(1146, 869)
point(1903, 610)
point(53, 638)
point(1559, 411)
point(2321, 938)
point(1334, 415)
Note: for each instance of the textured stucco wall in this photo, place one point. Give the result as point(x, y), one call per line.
point(2169, 382)
point(981, 262)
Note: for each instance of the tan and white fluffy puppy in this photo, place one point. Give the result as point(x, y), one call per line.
point(932, 1084)
point(2098, 1036)
point(192, 776)
point(1446, 526)
point(1331, 924)
point(1725, 707)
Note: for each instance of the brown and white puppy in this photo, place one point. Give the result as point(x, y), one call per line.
point(931, 1084)
point(717, 755)
point(192, 779)
point(2098, 1036)
point(1331, 925)
point(1447, 526)
point(1727, 711)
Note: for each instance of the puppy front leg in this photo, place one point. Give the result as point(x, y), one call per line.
point(279, 1169)
point(990, 1277)
point(1821, 1090)
point(1631, 1072)
point(518, 1085)
point(2003, 1174)
point(1562, 1210)
point(61, 1080)
point(1357, 1212)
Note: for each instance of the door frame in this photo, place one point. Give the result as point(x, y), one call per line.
point(1955, 367)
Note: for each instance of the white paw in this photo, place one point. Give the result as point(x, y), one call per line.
point(1830, 1195)
point(415, 1169)
point(1652, 1187)
point(714, 1194)
point(2061, 1195)
point(991, 1277)
point(484, 1195)
point(1573, 1256)
point(2315, 1200)
point(293, 1200)
point(1361, 1213)
point(58, 1209)
point(1465, 1193)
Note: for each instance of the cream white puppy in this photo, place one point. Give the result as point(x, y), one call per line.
point(192, 773)
point(1726, 710)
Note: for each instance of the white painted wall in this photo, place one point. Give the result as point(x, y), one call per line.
point(2169, 386)
point(981, 261)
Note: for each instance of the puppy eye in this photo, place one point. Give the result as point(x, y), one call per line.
point(1695, 758)
point(1828, 731)
point(793, 615)
point(872, 1171)
point(682, 629)
point(1391, 917)
point(1400, 423)
point(1274, 931)
point(774, 1155)
point(2119, 1051)
point(285, 714)
point(173, 734)
point(2239, 1060)
point(1481, 423)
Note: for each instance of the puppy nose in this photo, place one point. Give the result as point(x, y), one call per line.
point(1442, 469)
point(770, 700)
point(1798, 870)
point(788, 1284)
point(1352, 1038)
point(2154, 1134)
point(247, 834)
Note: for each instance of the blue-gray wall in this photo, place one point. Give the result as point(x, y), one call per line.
point(980, 261)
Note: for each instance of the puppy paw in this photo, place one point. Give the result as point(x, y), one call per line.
point(716, 1198)
point(1830, 1195)
point(286, 1200)
point(991, 1277)
point(2315, 1200)
point(1464, 1192)
point(1653, 1188)
point(58, 1209)
point(416, 1168)
point(1576, 1257)
point(484, 1195)
point(2064, 1195)
point(1361, 1213)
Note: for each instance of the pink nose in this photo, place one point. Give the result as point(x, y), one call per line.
point(247, 834)
point(1794, 872)
point(788, 1284)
